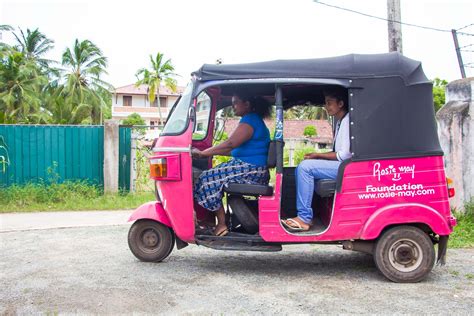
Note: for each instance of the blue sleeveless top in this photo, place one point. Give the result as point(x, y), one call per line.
point(255, 150)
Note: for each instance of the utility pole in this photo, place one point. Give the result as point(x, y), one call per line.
point(458, 53)
point(394, 26)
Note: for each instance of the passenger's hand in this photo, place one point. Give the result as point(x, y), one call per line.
point(311, 156)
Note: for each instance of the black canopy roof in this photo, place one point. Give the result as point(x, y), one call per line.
point(353, 66)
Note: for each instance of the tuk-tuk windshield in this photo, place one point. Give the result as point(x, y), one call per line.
point(177, 121)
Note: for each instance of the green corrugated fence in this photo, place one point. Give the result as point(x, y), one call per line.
point(35, 153)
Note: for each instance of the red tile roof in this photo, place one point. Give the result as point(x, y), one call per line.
point(142, 90)
point(293, 129)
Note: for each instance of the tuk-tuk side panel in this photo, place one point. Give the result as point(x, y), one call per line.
point(407, 213)
point(413, 189)
point(177, 196)
point(371, 186)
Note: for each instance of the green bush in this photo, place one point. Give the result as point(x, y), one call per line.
point(67, 196)
point(463, 234)
point(310, 131)
point(134, 119)
point(43, 193)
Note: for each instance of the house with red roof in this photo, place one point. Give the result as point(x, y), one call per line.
point(134, 99)
point(293, 130)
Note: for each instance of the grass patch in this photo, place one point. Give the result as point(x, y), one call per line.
point(463, 235)
point(66, 196)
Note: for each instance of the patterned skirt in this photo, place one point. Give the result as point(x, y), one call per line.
point(209, 188)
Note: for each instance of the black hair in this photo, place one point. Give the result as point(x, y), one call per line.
point(258, 104)
point(337, 92)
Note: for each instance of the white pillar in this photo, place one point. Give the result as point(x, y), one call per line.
point(111, 155)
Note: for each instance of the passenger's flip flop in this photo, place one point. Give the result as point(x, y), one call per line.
point(295, 227)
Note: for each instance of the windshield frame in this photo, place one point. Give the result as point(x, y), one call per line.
point(188, 93)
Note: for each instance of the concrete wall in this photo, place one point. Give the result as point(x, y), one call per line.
point(456, 134)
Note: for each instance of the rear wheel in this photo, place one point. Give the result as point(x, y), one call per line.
point(150, 241)
point(404, 254)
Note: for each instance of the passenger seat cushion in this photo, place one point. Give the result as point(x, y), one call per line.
point(325, 187)
point(248, 189)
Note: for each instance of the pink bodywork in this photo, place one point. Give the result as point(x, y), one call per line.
point(374, 195)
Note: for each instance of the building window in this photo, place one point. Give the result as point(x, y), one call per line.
point(127, 100)
point(162, 102)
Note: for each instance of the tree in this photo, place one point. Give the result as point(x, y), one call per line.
point(306, 112)
point(160, 71)
point(8, 28)
point(21, 82)
point(439, 90)
point(310, 131)
point(133, 119)
point(84, 88)
point(34, 45)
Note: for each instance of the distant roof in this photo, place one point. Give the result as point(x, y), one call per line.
point(351, 66)
point(292, 128)
point(143, 90)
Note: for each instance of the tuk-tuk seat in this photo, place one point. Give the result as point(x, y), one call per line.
point(255, 189)
point(325, 187)
point(248, 189)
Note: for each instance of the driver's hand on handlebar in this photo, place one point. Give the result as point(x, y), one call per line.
point(196, 153)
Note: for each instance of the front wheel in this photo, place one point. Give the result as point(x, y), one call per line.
point(404, 254)
point(150, 241)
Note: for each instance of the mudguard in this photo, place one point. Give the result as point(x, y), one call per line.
point(151, 210)
point(407, 213)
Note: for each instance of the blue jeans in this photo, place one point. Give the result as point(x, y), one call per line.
point(306, 172)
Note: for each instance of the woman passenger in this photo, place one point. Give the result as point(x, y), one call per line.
point(248, 146)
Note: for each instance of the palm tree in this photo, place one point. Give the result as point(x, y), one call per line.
point(84, 88)
point(160, 71)
point(21, 82)
point(34, 45)
point(4, 47)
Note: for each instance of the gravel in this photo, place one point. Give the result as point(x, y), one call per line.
point(91, 270)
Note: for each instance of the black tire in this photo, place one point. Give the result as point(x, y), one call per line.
point(404, 254)
point(150, 241)
point(244, 214)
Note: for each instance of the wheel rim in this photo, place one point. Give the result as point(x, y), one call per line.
point(149, 240)
point(405, 255)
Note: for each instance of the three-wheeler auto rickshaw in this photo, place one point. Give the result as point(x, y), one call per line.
point(390, 199)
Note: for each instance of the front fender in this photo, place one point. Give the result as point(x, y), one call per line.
point(151, 210)
point(406, 213)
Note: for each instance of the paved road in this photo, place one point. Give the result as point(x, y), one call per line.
point(91, 270)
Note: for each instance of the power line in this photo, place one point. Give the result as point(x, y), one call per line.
point(466, 26)
point(393, 21)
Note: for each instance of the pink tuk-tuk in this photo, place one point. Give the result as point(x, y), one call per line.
point(390, 199)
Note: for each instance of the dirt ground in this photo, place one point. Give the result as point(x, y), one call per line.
point(91, 270)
